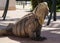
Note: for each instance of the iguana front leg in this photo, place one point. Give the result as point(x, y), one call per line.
point(38, 34)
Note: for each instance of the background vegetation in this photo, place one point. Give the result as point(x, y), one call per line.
point(35, 2)
point(58, 5)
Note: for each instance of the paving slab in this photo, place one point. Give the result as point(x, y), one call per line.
point(12, 17)
point(52, 32)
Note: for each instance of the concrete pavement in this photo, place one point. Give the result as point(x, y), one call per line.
point(52, 32)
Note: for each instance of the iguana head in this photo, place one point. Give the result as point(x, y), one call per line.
point(41, 11)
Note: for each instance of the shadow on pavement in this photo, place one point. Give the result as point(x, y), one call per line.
point(13, 19)
point(53, 36)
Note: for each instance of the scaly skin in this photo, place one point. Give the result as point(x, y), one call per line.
point(30, 25)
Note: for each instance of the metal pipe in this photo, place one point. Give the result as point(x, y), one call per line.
point(5, 10)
